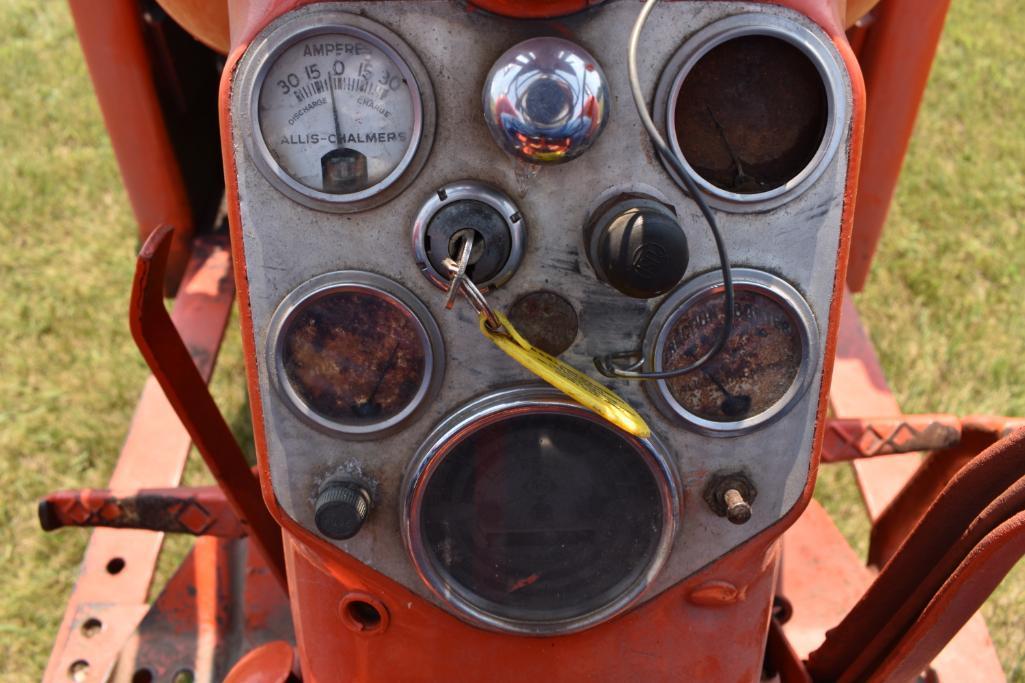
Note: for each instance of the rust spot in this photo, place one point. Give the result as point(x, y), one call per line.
point(546, 320)
point(751, 114)
point(354, 356)
point(934, 437)
point(754, 370)
point(717, 594)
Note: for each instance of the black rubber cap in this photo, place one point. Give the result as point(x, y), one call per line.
point(341, 509)
point(640, 249)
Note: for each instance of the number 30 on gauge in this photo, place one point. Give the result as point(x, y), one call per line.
point(342, 110)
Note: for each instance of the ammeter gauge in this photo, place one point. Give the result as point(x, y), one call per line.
point(765, 367)
point(354, 353)
point(341, 108)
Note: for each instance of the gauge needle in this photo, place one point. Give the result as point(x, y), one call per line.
point(334, 110)
point(741, 178)
point(734, 405)
point(343, 170)
point(367, 407)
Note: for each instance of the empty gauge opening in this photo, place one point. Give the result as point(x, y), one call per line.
point(753, 105)
point(750, 115)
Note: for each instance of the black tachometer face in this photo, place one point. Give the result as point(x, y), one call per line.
point(542, 516)
point(759, 364)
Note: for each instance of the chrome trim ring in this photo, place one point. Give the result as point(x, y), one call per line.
point(814, 46)
point(474, 191)
point(484, 412)
point(744, 279)
point(374, 285)
point(319, 20)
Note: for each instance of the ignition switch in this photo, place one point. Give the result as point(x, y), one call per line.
point(469, 208)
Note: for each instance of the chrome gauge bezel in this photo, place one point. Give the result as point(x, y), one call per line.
point(364, 283)
point(470, 190)
point(481, 413)
point(744, 279)
point(330, 19)
point(814, 46)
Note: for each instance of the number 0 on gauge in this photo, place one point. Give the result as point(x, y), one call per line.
point(341, 108)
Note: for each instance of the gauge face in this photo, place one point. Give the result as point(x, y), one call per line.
point(541, 517)
point(754, 107)
point(353, 359)
point(764, 367)
point(342, 108)
point(751, 114)
point(529, 514)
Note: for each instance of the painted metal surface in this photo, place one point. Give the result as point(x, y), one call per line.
point(274, 662)
point(733, 591)
point(655, 642)
point(123, 77)
point(114, 579)
point(986, 492)
point(853, 438)
point(859, 388)
point(936, 470)
point(169, 359)
point(222, 602)
point(806, 253)
point(896, 56)
point(199, 511)
point(953, 605)
point(442, 641)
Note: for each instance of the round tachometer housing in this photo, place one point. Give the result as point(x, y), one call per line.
point(524, 512)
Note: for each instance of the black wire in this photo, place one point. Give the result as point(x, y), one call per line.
point(605, 364)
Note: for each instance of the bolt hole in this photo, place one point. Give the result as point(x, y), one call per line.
point(364, 614)
point(78, 670)
point(142, 676)
point(184, 676)
point(115, 565)
point(91, 627)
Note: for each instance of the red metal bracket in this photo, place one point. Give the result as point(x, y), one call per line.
point(987, 492)
point(200, 511)
point(220, 604)
point(853, 438)
point(172, 366)
point(111, 591)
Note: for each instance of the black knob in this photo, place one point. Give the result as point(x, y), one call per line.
point(342, 507)
point(638, 247)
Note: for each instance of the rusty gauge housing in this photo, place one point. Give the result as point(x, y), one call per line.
point(354, 353)
point(767, 364)
point(341, 107)
point(526, 513)
point(754, 105)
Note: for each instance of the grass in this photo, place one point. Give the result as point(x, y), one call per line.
point(945, 304)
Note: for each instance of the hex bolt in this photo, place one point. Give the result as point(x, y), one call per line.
point(738, 510)
point(731, 495)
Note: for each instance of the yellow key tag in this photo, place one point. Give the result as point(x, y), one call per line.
point(567, 379)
